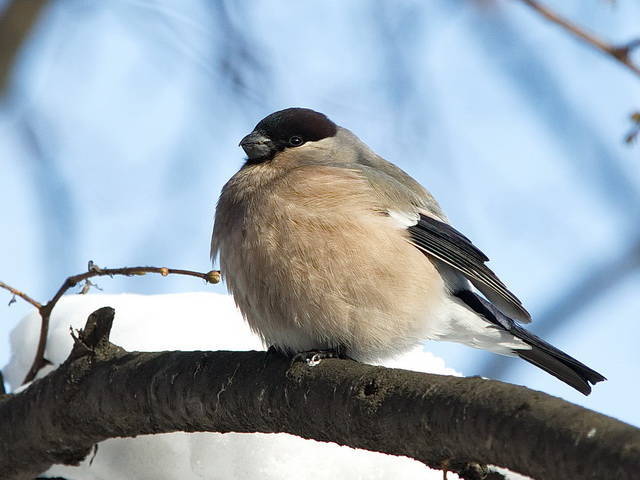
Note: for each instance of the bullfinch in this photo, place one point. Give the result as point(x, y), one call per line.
point(326, 246)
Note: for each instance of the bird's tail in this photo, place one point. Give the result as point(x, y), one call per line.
point(556, 362)
point(542, 354)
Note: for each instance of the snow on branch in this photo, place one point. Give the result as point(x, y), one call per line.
point(102, 391)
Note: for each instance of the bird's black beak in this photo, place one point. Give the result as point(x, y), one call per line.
point(257, 146)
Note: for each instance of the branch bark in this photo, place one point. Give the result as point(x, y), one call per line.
point(102, 392)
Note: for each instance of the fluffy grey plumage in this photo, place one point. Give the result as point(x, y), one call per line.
point(326, 245)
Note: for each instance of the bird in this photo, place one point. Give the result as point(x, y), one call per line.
point(328, 247)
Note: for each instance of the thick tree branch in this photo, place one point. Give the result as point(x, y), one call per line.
point(93, 270)
point(621, 53)
point(102, 391)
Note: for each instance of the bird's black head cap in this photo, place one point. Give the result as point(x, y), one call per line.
point(287, 128)
point(308, 124)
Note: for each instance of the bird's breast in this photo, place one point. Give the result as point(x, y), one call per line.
point(313, 262)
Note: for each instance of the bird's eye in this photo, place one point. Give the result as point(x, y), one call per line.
point(296, 141)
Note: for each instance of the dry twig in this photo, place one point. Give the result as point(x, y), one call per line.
point(93, 271)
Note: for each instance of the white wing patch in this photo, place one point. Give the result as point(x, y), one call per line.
point(404, 219)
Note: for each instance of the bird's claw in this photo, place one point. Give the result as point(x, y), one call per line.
point(314, 357)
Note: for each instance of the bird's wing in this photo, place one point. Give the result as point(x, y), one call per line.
point(442, 241)
point(395, 191)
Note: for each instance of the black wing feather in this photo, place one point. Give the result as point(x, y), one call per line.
point(445, 243)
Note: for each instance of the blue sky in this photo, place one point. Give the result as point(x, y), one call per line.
point(123, 118)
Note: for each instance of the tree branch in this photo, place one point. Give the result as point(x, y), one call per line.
point(93, 270)
point(102, 392)
point(621, 53)
point(21, 294)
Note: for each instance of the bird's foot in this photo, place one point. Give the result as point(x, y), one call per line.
point(314, 357)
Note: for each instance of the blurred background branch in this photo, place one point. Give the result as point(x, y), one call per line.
point(16, 22)
point(619, 52)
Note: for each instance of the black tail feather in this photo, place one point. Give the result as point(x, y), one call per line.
point(556, 368)
point(556, 362)
point(542, 354)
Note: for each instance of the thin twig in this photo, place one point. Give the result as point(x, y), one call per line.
point(621, 53)
point(93, 271)
point(22, 295)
